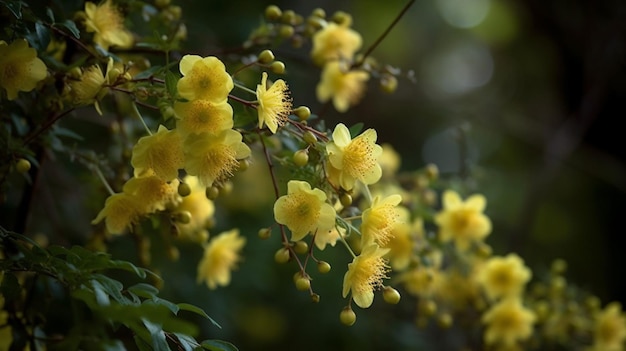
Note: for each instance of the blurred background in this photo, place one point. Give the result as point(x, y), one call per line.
point(522, 100)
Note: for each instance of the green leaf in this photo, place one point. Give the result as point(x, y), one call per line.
point(186, 342)
point(169, 305)
point(50, 14)
point(67, 133)
point(43, 36)
point(102, 298)
point(356, 129)
point(144, 290)
point(170, 83)
point(127, 266)
point(15, 7)
point(218, 345)
point(71, 26)
point(112, 287)
point(148, 73)
point(157, 335)
point(197, 310)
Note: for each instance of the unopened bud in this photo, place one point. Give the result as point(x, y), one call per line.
point(265, 57)
point(347, 316)
point(273, 12)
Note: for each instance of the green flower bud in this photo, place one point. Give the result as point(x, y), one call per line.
point(277, 67)
point(265, 233)
point(302, 112)
point(273, 12)
point(300, 247)
point(22, 165)
point(323, 267)
point(266, 57)
point(301, 158)
point(282, 255)
point(184, 189)
point(347, 316)
point(391, 295)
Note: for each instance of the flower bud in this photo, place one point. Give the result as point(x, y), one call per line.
point(345, 199)
point(183, 217)
point(22, 165)
point(266, 57)
point(391, 295)
point(347, 316)
point(301, 158)
point(277, 67)
point(282, 255)
point(323, 267)
point(212, 192)
point(445, 320)
point(288, 17)
point(309, 137)
point(286, 31)
point(319, 12)
point(302, 112)
point(273, 12)
point(184, 189)
point(303, 284)
point(315, 298)
point(300, 247)
point(265, 233)
point(388, 83)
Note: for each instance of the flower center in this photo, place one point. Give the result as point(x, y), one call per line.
point(358, 157)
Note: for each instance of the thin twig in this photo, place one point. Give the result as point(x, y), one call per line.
point(46, 125)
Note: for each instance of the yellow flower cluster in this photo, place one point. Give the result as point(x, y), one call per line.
point(333, 48)
point(107, 24)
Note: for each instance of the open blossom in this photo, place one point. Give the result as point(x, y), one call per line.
point(274, 103)
point(402, 240)
point(345, 87)
point(365, 275)
point(304, 210)
point(354, 159)
point(335, 42)
point(120, 212)
point(203, 116)
point(508, 322)
point(609, 331)
point(462, 221)
point(504, 276)
point(214, 157)
point(107, 24)
point(90, 86)
point(204, 78)
point(380, 219)
point(153, 193)
point(221, 255)
point(161, 152)
point(20, 68)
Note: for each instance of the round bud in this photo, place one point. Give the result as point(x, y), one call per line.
point(273, 12)
point(559, 266)
point(244, 164)
point(429, 197)
point(309, 137)
point(345, 199)
point(183, 217)
point(161, 3)
point(432, 171)
point(558, 284)
point(227, 187)
point(315, 298)
point(212, 192)
point(265, 233)
point(277, 67)
point(173, 254)
point(184, 189)
point(288, 17)
point(301, 158)
point(282, 255)
point(286, 31)
point(316, 22)
point(388, 83)
point(342, 18)
point(319, 12)
point(542, 309)
point(391, 295)
point(302, 112)
point(323, 267)
point(428, 307)
point(347, 316)
point(445, 320)
point(22, 165)
point(300, 247)
point(265, 57)
point(303, 283)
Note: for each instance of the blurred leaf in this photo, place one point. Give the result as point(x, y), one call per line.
point(127, 266)
point(148, 73)
point(50, 14)
point(218, 345)
point(43, 36)
point(158, 336)
point(170, 83)
point(15, 7)
point(186, 342)
point(142, 345)
point(71, 26)
point(144, 290)
point(102, 298)
point(197, 310)
point(67, 133)
point(10, 287)
point(169, 305)
point(356, 129)
point(112, 287)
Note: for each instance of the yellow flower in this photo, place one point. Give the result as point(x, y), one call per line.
point(354, 159)
point(343, 86)
point(204, 78)
point(20, 68)
point(203, 116)
point(402, 241)
point(389, 161)
point(325, 237)
point(335, 42)
point(365, 274)
point(461, 221)
point(609, 332)
point(274, 103)
point(153, 193)
point(421, 281)
point(304, 210)
point(508, 322)
point(106, 21)
point(214, 157)
point(90, 86)
point(220, 257)
point(120, 211)
point(504, 276)
point(201, 209)
point(379, 220)
point(161, 153)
